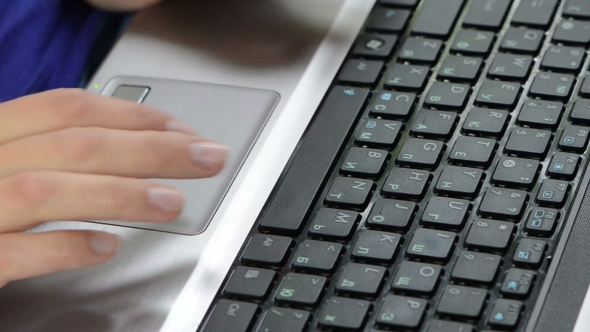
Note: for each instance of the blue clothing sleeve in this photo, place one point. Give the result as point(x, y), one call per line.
point(44, 44)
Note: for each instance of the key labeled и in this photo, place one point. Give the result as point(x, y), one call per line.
point(364, 162)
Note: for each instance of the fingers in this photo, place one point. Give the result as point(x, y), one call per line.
point(65, 108)
point(30, 198)
point(140, 154)
point(29, 255)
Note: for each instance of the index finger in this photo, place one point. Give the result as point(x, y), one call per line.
point(65, 108)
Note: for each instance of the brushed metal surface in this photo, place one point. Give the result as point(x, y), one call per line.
point(165, 282)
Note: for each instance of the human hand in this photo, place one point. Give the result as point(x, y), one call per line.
point(70, 155)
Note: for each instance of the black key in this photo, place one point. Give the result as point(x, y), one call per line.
point(230, 315)
point(443, 95)
point(364, 72)
point(486, 122)
point(563, 59)
point(462, 302)
point(446, 213)
point(360, 279)
point(421, 153)
point(401, 311)
point(344, 314)
point(542, 222)
point(498, 94)
point(437, 325)
point(572, 32)
point(331, 126)
point(585, 89)
point(333, 224)
point(437, 18)
point(511, 67)
point(406, 183)
point(505, 314)
point(476, 268)
point(388, 20)
point(517, 283)
point(503, 203)
point(419, 50)
point(519, 40)
point(516, 173)
point(407, 77)
point(529, 252)
point(416, 278)
point(535, 13)
point(552, 86)
point(574, 139)
point(431, 245)
point(283, 320)
point(266, 250)
point(473, 151)
point(373, 246)
point(473, 42)
point(528, 142)
point(577, 8)
point(540, 114)
point(460, 68)
point(564, 166)
point(487, 14)
point(316, 256)
point(375, 45)
point(249, 283)
point(553, 193)
point(364, 162)
point(458, 181)
point(378, 133)
point(349, 192)
point(434, 124)
point(489, 235)
point(394, 105)
point(401, 3)
point(300, 289)
point(581, 112)
point(391, 214)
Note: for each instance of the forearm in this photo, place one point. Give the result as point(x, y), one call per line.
point(122, 5)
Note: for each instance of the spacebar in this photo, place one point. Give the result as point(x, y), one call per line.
point(313, 161)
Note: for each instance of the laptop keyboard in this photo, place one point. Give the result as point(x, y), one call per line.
point(431, 189)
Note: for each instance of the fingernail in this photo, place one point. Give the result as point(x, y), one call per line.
point(180, 127)
point(166, 200)
point(208, 154)
point(104, 243)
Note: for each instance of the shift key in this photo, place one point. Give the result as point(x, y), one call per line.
point(437, 17)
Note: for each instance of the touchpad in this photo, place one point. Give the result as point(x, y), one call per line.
point(230, 115)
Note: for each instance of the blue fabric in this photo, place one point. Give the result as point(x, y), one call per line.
point(44, 44)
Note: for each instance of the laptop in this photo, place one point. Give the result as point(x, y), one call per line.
point(396, 165)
